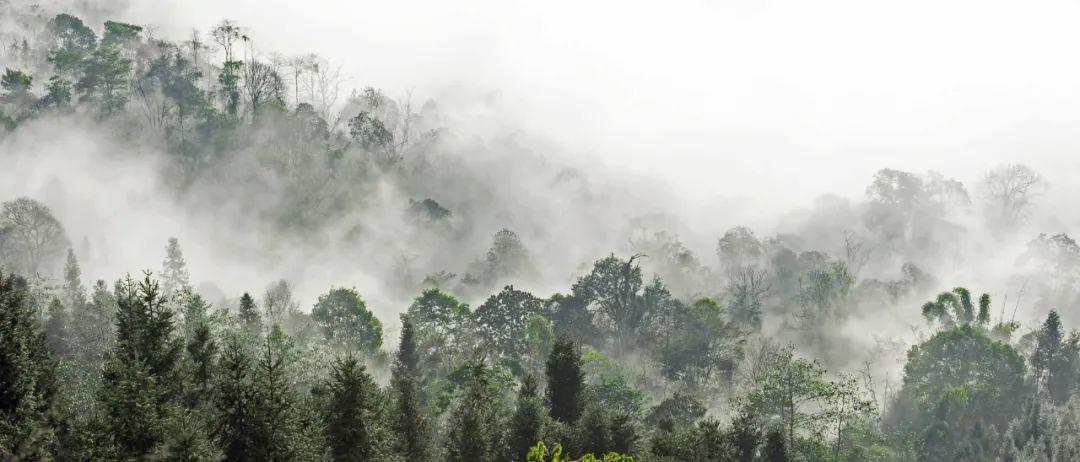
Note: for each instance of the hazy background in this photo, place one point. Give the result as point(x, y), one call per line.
point(717, 113)
point(763, 101)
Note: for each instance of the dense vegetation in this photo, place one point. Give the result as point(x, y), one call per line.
point(648, 353)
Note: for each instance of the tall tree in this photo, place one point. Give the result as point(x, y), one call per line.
point(27, 387)
point(565, 382)
point(472, 425)
point(346, 321)
point(249, 314)
point(353, 417)
point(527, 422)
point(409, 423)
point(36, 239)
point(140, 376)
point(174, 273)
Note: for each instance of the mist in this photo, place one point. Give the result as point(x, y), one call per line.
point(845, 150)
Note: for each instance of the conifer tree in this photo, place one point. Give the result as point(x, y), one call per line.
point(27, 387)
point(56, 329)
point(279, 434)
point(174, 273)
point(527, 421)
point(775, 451)
point(235, 399)
point(140, 377)
point(353, 413)
point(74, 294)
point(566, 382)
point(472, 421)
point(249, 314)
point(409, 423)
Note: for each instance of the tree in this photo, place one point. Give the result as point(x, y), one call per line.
point(71, 44)
point(775, 450)
point(237, 422)
point(409, 422)
point(74, 294)
point(36, 239)
point(174, 273)
point(527, 421)
point(140, 376)
point(746, 291)
point(957, 377)
point(106, 72)
point(57, 334)
point(346, 321)
point(1055, 359)
point(955, 308)
point(739, 250)
point(262, 85)
point(798, 394)
point(472, 422)
point(701, 344)
point(27, 387)
point(280, 435)
point(249, 314)
point(612, 292)
point(92, 327)
point(353, 412)
point(16, 85)
point(443, 328)
point(565, 382)
point(278, 302)
point(1008, 190)
point(501, 320)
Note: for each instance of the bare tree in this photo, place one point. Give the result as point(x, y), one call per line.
point(32, 235)
point(323, 86)
point(747, 288)
point(1008, 190)
point(262, 84)
point(226, 34)
point(856, 255)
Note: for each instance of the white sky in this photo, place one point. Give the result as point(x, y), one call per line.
point(777, 100)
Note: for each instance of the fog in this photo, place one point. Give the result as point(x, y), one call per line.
point(766, 102)
point(698, 115)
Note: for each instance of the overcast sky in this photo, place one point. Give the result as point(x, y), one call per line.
point(771, 99)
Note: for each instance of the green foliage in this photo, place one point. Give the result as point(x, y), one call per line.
point(346, 322)
point(502, 319)
point(410, 425)
point(539, 453)
point(353, 415)
point(473, 432)
point(565, 382)
point(27, 387)
point(956, 378)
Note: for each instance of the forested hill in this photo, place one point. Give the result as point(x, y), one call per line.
point(476, 300)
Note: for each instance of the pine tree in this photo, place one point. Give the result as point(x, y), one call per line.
point(276, 397)
point(527, 421)
point(593, 430)
point(56, 330)
point(201, 349)
point(235, 398)
point(472, 424)
point(566, 382)
point(74, 294)
point(249, 314)
point(174, 273)
point(27, 386)
point(409, 424)
point(140, 376)
point(352, 414)
point(775, 451)
point(92, 327)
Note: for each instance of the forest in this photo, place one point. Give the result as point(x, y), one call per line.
point(503, 325)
